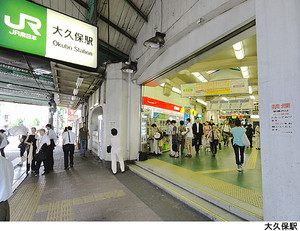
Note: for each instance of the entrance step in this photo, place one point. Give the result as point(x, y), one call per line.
point(203, 206)
point(212, 203)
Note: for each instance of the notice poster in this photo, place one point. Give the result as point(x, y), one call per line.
point(281, 118)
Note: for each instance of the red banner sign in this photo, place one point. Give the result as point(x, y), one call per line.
point(160, 104)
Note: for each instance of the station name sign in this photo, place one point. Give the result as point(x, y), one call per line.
point(226, 87)
point(27, 27)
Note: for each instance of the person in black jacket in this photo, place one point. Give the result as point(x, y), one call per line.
point(249, 133)
point(198, 134)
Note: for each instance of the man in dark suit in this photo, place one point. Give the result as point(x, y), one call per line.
point(198, 133)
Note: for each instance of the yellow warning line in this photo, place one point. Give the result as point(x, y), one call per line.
point(251, 163)
point(24, 203)
point(191, 201)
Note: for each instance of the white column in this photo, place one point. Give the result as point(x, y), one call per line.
point(278, 50)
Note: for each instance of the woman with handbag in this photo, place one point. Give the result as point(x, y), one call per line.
point(214, 138)
point(22, 146)
point(31, 142)
point(157, 136)
point(238, 145)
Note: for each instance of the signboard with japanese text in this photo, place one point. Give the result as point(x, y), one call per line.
point(226, 87)
point(281, 118)
point(34, 29)
point(160, 104)
point(239, 104)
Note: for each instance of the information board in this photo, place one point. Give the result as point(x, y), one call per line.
point(281, 118)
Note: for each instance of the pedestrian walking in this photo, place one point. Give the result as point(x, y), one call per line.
point(169, 132)
point(174, 139)
point(31, 142)
point(226, 132)
point(238, 144)
point(249, 133)
point(68, 142)
point(53, 138)
point(181, 137)
point(43, 145)
point(3, 142)
point(116, 152)
point(22, 146)
point(6, 181)
point(189, 137)
point(83, 138)
point(214, 137)
point(155, 140)
point(257, 135)
point(206, 130)
point(198, 134)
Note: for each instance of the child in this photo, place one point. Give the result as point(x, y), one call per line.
point(116, 151)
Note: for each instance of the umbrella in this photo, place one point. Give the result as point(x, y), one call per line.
point(18, 130)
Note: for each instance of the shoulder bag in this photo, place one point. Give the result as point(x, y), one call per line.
point(245, 140)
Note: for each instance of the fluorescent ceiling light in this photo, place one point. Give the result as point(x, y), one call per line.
point(201, 101)
point(74, 97)
point(199, 76)
point(210, 72)
point(163, 84)
point(252, 97)
point(238, 50)
point(176, 90)
point(224, 98)
point(250, 90)
point(245, 73)
point(75, 91)
point(79, 82)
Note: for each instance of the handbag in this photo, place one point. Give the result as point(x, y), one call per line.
point(245, 140)
point(40, 156)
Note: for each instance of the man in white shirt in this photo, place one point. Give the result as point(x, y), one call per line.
point(116, 152)
point(43, 144)
point(68, 142)
point(6, 180)
point(189, 137)
point(3, 142)
point(53, 139)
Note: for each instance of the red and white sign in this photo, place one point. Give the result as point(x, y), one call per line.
point(160, 104)
point(281, 119)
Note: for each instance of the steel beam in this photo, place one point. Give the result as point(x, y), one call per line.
point(83, 4)
point(137, 10)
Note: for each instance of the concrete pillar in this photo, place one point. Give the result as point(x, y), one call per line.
point(121, 110)
point(278, 36)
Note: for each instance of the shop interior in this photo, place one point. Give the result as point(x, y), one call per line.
point(162, 98)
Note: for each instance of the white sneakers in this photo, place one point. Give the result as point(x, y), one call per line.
point(239, 168)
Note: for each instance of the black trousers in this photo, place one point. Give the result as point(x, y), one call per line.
point(239, 154)
point(198, 141)
point(213, 146)
point(69, 151)
point(2, 152)
point(4, 211)
point(51, 159)
point(46, 163)
point(250, 139)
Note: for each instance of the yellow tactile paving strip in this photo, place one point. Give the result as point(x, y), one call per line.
point(194, 179)
point(251, 163)
point(25, 203)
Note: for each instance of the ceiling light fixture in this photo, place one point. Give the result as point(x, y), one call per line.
point(201, 101)
point(176, 90)
point(79, 82)
point(162, 84)
point(238, 50)
point(75, 91)
point(250, 90)
point(199, 76)
point(224, 98)
point(252, 97)
point(155, 42)
point(130, 67)
point(245, 72)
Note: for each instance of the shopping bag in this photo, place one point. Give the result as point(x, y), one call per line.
point(245, 140)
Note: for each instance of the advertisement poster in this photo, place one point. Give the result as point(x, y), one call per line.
point(281, 119)
point(227, 87)
point(187, 113)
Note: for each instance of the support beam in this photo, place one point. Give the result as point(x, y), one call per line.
point(112, 50)
point(83, 4)
point(120, 30)
point(137, 10)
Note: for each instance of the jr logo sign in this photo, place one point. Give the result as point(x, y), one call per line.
point(34, 23)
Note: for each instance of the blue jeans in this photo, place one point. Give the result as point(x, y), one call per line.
point(82, 147)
